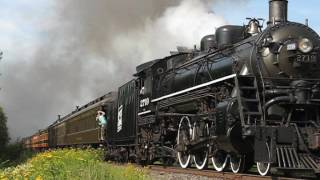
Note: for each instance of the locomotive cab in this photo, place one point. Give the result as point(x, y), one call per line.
point(156, 78)
point(145, 87)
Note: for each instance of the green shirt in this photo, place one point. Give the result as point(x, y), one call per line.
point(102, 120)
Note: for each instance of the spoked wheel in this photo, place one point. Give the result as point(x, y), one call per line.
point(237, 163)
point(220, 160)
point(264, 167)
point(241, 163)
point(184, 137)
point(200, 158)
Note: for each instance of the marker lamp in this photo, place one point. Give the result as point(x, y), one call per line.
point(305, 45)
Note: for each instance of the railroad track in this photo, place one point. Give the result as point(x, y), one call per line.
point(210, 174)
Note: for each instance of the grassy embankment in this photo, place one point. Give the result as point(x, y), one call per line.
point(71, 164)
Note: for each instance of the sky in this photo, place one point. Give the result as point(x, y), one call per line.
point(62, 53)
point(298, 11)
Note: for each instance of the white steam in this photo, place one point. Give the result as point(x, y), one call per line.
point(183, 25)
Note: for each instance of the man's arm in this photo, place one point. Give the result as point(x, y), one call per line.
point(102, 113)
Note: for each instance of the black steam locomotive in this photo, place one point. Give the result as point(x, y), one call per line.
point(248, 96)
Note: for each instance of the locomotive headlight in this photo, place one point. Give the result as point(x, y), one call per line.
point(305, 45)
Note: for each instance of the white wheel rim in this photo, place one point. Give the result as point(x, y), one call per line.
point(204, 163)
point(235, 167)
point(201, 166)
point(263, 172)
point(183, 164)
point(218, 167)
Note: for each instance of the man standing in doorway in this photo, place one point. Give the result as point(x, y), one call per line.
point(102, 120)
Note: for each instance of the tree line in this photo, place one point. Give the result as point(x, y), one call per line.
point(4, 136)
point(13, 153)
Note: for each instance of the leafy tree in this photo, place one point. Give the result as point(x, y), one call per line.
point(4, 137)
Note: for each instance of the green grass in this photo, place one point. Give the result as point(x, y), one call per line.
point(72, 164)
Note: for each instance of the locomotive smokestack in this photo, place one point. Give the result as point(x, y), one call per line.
point(278, 11)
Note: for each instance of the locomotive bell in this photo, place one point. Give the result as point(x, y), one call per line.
point(253, 27)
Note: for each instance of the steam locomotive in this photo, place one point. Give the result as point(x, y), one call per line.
point(248, 96)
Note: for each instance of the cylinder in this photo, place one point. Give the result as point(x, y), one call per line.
point(278, 11)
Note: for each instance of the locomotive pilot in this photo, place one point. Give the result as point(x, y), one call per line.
point(102, 121)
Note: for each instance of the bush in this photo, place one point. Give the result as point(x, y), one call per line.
point(14, 154)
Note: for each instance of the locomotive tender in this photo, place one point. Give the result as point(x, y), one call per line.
point(248, 96)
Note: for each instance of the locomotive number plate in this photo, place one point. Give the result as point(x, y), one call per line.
point(306, 58)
